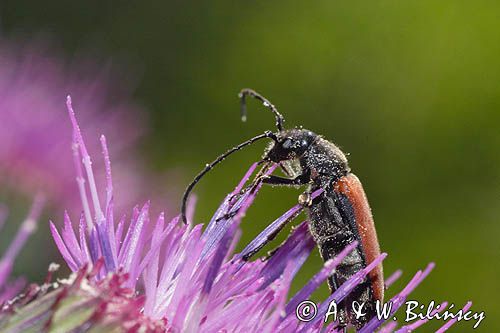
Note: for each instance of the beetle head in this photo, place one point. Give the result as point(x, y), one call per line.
point(290, 144)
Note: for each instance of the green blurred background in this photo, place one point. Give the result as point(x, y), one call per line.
point(408, 88)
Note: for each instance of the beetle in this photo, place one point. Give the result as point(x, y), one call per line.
point(339, 216)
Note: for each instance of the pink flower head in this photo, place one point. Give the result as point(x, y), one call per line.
point(33, 148)
point(9, 289)
point(187, 279)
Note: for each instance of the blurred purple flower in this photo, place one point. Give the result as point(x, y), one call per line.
point(191, 280)
point(33, 147)
point(9, 289)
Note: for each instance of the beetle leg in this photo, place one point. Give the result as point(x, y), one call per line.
point(305, 199)
point(302, 179)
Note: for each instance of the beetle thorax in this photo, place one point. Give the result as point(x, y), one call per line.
point(325, 159)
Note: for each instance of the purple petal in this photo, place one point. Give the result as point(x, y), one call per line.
point(62, 248)
point(28, 226)
point(273, 229)
point(451, 322)
point(399, 299)
point(393, 278)
point(83, 240)
point(68, 234)
point(107, 164)
point(87, 162)
point(232, 210)
point(293, 252)
point(389, 327)
point(318, 279)
point(94, 247)
point(216, 263)
point(132, 239)
point(107, 252)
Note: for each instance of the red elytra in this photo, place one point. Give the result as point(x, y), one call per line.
point(351, 187)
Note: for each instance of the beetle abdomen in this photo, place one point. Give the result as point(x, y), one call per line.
point(337, 218)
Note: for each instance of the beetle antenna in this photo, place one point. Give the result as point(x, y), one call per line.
point(208, 167)
point(252, 93)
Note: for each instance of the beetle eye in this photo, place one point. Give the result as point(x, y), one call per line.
point(287, 144)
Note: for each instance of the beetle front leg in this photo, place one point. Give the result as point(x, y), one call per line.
point(276, 180)
point(305, 199)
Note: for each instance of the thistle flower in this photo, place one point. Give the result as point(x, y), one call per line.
point(180, 278)
point(97, 235)
point(33, 152)
point(9, 289)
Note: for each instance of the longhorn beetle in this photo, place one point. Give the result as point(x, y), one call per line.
point(337, 217)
